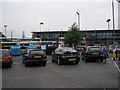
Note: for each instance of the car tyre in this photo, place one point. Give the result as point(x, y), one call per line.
point(44, 64)
point(59, 61)
point(86, 60)
point(10, 65)
point(53, 60)
point(101, 60)
point(23, 61)
point(26, 63)
point(76, 62)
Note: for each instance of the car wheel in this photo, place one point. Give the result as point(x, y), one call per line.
point(44, 64)
point(59, 61)
point(101, 60)
point(76, 62)
point(53, 61)
point(10, 65)
point(86, 60)
point(26, 63)
point(23, 61)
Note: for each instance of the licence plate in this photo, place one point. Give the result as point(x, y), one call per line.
point(95, 53)
point(72, 59)
point(37, 56)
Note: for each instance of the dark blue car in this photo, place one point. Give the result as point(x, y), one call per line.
point(92, 53)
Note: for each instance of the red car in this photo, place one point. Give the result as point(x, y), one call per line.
point(5, 58)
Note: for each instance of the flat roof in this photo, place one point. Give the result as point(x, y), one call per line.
point(67, 30)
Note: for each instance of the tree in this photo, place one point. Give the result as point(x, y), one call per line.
point(73, 36)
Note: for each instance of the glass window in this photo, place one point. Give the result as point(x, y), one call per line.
point(4, 53)
point(94, 49)
point(36, 52)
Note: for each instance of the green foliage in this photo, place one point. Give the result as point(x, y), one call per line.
point(73, 36)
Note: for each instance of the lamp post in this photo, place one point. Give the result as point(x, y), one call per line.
point(108, 23)
point(108, 20)
point(5, 29)
point(118, 1)
point(41, 23)
point(113, 20)
point(78, 20)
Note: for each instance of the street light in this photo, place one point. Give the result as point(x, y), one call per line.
point(108, 29)
point(78, 20)
point(118, 1)
point(5, 29)
point(108, 24)
point(113, 20)
point(41, 23)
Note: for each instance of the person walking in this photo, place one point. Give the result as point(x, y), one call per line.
point(113, 54)
point(104, 53)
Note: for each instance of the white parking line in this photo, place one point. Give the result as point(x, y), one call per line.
point(17, 62)
point(116, 66)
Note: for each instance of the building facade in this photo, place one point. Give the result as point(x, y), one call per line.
point(102, 37)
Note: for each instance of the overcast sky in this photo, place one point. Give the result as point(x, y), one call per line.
point(24, 15)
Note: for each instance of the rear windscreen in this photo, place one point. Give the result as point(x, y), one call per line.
point(4, 53)
point(36, 53)
point(94, 49)
point(69, 50)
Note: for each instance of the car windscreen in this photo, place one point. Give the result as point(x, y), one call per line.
point(69, 50)
point(94, 49)
point(36, 52)
point(4, 53)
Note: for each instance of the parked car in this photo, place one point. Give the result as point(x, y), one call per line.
point(92, 53)
point(65, 55)
point(6, 58)
point(34, 56)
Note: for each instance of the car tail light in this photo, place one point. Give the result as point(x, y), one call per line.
point(29, 56)
point(79, 54)
point(63, 54)
point(88, 49)
point(8, 58)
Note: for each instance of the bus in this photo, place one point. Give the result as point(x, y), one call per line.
point(23, 45)
point(7, 45)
